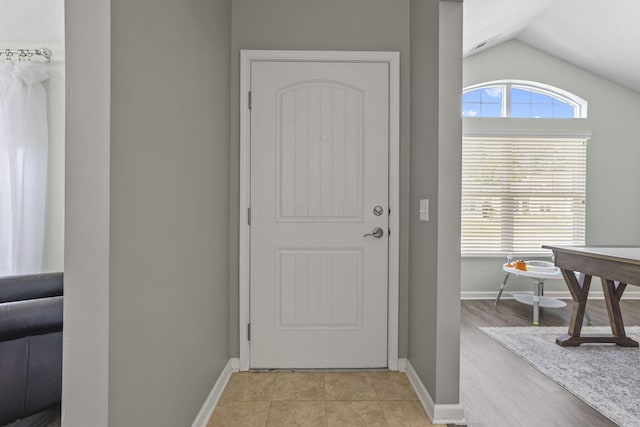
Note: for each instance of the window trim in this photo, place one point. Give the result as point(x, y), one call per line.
point(580, 105)
point(551, 134)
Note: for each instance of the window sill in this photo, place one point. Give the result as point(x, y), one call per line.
point(523, 255)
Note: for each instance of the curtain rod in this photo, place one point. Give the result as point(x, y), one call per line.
point(23, 54)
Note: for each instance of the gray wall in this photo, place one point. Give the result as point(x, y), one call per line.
point(320, 25)
point(447, 341)
point(169, 334)
point(613, 176)
point(434, 281)
point(146, 280)
point(424, 184)
point(85, 363)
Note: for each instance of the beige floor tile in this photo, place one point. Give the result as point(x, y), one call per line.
point(371, 399)
point(297, 414)
point(239, 414)
point(405, 414)
point(349, 386)
point(299, 386)
point(352, 414)
point(392, 386)
point(250, 386)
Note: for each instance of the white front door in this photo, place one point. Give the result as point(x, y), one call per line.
point(319, 189)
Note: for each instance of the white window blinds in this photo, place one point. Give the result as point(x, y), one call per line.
point(521, 193)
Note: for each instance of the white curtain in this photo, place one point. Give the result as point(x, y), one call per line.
point(23, 166)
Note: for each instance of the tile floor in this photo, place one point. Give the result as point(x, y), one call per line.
point(285, 399)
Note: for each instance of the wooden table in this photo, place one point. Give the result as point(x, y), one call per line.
point(617, 267)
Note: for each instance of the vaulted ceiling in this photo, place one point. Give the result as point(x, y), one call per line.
point(602, 36)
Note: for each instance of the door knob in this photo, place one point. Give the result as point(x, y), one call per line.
point(377, 233)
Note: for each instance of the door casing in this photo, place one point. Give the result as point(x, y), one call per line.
point(393, 61)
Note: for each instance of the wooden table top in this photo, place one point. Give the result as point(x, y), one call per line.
point(626, 254)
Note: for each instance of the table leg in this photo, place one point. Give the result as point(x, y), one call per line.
point(579, 293)
point(612, 295)
point(504, 283)
point(580, 277)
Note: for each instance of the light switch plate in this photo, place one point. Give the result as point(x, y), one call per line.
point(424, 210)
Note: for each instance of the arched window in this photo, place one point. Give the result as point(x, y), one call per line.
point(521, 99)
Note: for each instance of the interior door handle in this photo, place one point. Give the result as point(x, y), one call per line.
point(377, 233)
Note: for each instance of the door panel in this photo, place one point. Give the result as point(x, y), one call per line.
point(319, 289)
point(319, 165)
point(320, 181)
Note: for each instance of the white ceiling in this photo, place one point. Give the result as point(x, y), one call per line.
point(31, 21)
point(601, 36)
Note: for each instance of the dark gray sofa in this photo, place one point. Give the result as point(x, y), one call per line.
point(30, 344)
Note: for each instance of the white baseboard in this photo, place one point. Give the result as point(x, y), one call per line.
point(214, 396)
point(438, 413)
point(235, 364)
point(491, 295)
point(402, 365)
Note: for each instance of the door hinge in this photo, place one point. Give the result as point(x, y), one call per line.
point(248, 331)
point(249, 100)
point(389, 234)
point(248, 216)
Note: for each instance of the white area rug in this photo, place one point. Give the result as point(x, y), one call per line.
point(605, 376)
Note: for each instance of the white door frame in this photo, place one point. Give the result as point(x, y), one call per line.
point(391, 58)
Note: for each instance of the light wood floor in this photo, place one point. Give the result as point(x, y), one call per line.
point(500, 389)
point(281, 399)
